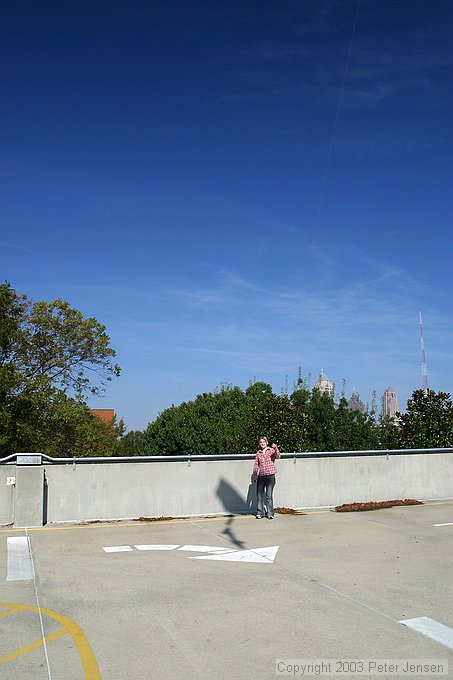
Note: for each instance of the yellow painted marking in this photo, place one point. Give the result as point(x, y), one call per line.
point(9, 612)
point(310, 512)
point(100, 525)
point(138, 524)
point(70, 527)
point(32, 647)
point(87, 657)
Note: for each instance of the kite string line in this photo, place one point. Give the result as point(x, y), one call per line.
point(337, 116)
point(311, 579)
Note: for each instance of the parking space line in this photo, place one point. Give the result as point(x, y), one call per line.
point(32, 646)
point(445, 524)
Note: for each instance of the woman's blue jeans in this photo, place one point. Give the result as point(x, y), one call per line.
point(264, 488)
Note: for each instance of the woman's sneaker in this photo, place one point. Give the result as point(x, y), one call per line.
point(258, 516)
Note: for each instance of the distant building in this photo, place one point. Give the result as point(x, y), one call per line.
point(356, 404)
point(389, 403)
point(323, 384)
point(107, 415)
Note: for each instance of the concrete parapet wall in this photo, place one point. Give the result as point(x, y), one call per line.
point(321, 482)
point(29, 496)
point(171, 488)
point(7, 495)
point(127, 490)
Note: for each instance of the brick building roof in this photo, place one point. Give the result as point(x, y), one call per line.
point(105, 414)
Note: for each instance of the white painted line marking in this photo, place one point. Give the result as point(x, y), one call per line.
point(261, 555)
point(20, 566)
point(432, 629)
point(206, 549)
point(445, 524)
point(156, 547)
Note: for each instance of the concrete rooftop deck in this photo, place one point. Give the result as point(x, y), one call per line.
point(337, 588)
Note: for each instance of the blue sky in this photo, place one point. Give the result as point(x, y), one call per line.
point(235, 190)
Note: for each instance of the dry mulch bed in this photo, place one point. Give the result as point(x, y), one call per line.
point(98, 521)
point(154, 519)
point(288, 511)
point(374, 505)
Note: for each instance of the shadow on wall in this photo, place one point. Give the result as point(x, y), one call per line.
point(236, 505)
point(232, 501)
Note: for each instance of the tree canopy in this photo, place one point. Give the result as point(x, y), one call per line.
point(231, 421)
point(428, 421)
point(51, 359)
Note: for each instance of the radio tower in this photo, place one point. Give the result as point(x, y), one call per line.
point(422, 345)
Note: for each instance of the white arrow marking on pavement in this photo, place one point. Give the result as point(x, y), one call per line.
point(156, 547)
point(262, 555)
point(206, 548)
point(192, 548)
point(432, 629)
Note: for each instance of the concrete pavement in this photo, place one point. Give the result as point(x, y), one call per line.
point(330, 586)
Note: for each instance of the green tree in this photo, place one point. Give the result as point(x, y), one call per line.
point(256, 415)
point(231, 421)
point(64, 427)
point(212, 423)
point(131, 444)
point(273, 418)
point(389, 433)
point(300, 403)
point(320, 421)
point(344, 421)
point(428, 421)
point(51, 357)
point(51, 343)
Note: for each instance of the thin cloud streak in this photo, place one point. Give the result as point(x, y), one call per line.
point(370, 323)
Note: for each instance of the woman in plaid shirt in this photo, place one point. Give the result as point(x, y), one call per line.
point(264, 474)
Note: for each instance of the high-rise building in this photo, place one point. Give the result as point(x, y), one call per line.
point(356, 404)
point(323, 384)
point(389, 403)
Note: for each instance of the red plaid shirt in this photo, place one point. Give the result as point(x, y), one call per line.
point(264, 462)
